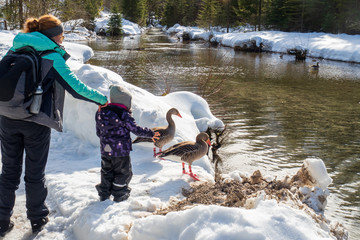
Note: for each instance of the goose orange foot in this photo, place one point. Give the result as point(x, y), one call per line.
point(191, 174)
point(158, 153)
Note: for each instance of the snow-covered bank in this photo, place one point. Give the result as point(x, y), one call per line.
point(341, 47)
point(128, 27)
point(75, 32)
point(74, 169)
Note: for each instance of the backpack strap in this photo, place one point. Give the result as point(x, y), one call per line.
point(36, 58)
point(37, 55)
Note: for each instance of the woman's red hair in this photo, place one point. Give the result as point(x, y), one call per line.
point(43, 23)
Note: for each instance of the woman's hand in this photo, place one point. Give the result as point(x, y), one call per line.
point(156, 136)
point(102, 106)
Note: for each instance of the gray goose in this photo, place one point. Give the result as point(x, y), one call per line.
point(188, 152)
point(167, 133)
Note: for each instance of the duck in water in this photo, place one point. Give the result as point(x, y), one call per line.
point(315, 67)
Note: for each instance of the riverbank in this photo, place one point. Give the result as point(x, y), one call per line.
point(339, 47)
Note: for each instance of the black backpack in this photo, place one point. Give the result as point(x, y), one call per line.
point(20, 74)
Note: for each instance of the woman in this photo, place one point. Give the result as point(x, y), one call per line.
point(33, 134)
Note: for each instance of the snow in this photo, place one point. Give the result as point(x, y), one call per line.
point(215, 222)
point(342, 47)
point(128, 27)
point(74, 166)
point(317, 170)
point(75, 32)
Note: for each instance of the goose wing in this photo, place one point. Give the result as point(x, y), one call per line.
point(142, 139)
point(180, 149)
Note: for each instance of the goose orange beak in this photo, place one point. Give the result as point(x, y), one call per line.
point(179, 115)
point(208, 142)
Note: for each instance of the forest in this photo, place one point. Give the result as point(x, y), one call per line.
point(332, 16)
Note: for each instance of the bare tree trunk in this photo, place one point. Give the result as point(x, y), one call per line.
point(5, 25)
point(302, 16)
point(21, 13)
point(227, 16)
point(259, 20)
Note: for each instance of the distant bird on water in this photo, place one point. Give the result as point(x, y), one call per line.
point(167, 133)
point(315, 67)
point(188, 152)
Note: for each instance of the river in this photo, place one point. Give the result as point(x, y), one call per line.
point(278, 111)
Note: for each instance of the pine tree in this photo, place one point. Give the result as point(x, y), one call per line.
point(142, 12)
point(135, 11)
point(277, 16)
point(170, 16)
point(247, 12)
point(227, 16)
point(208, 13)
point(156, 8)
point(92, 9)
point(114, 24)
point(295, 12)
point(10, 12)
point(191, 11)
point(351, 17)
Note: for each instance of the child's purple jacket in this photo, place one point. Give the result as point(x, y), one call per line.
point(113, 127)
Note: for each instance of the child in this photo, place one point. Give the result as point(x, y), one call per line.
point(113, 126)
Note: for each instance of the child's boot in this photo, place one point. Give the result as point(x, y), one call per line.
point(39, 224)
point(121, 198)
point(121, 194)
point(5, 227)
point(102, 194)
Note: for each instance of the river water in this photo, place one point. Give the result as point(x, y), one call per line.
point(278, 111)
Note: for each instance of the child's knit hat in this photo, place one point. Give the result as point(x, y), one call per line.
point(121, 95)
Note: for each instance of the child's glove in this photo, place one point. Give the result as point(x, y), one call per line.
point(102, 106)
point(156, 136)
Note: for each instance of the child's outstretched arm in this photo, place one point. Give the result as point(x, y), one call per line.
point(137, 130)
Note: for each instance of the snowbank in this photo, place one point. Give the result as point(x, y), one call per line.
point(268, 220)
point(340, 47)
point(128, 27)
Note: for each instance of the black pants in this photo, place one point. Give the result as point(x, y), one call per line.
point(17, 136)
point(116, 174)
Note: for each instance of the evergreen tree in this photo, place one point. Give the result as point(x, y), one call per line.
point(350, 17)
point(227, 16)
point(92, 10)
point(208, 13)
point(314, 15)
point(247, 12)
point(156, 8)
point(107, 4)
point(296, 9)
point(330, 18)
point(135, 11)
point(10, 12)
point(170, 13)
point(114, 24)
point(180, 11)
point(190, 12)
point(277, 16)
point(68, 10)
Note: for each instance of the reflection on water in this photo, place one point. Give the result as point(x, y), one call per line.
point(279, 111)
